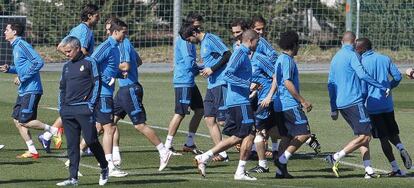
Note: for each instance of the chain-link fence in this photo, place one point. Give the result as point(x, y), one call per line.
point(320, 23)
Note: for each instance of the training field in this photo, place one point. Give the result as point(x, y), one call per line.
point(140, 158)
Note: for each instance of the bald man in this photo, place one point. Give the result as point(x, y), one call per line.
point(345, 92)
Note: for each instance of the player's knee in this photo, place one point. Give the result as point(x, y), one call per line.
point(141, 127)
point(364, 139)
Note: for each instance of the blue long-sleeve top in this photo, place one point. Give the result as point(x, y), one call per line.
point(185, 67)
point(264, 47)
point(130, 56)
point(263, 71)
point(286, 69)
point(380, 67)
point(237, 75)
point(85, 35)
point(79, 83)
point(107, 56)
point(212, 50)
point(344, 81)
point(26, 64)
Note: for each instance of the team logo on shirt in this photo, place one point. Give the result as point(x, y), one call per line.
point(82, 68)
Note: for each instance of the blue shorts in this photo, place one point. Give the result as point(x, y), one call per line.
point(25, 109)
point(296, 122)
point(264, 117)
point(214, 103)
point(128, 100)
point(104, 110)
point(187, 97)
point(239, 121)
point(357, 118)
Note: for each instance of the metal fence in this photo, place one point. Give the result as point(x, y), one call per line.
point(320, 23)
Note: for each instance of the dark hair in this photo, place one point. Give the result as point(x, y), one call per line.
point(366, 43)
point(117, 25)
point(188, 30)
point(240, 22)
point(289, 40)
point(18, 27)
point(192, 17)
point(89, 9)
point(257, 18)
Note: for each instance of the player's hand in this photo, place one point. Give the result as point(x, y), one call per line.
point(334, 115)
point(307, 106)
point(111, 82)
point(4, 68)
point(266, 102)
point(206, 72)
point(16, 81)
point(387, 92)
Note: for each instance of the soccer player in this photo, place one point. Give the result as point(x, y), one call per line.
point(90, 17)
point(187, 94)
point(215, 55)
point(296, 130)
point(258, 23)
point(381, 108)
point(263, 72)
point(128, 99)
point(79, 91)
point(345, 92)
point(240, 120)
point(26, 64)
point(107, 56)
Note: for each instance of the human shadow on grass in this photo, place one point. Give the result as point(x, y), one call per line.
point(328, 176)
point(307, 156)
point(323, 170)
point(29, 180)
point(142, 182)
point(19, 163)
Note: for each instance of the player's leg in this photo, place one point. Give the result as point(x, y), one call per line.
point(197, 106)
point(104, 117)
point(394, 138)
point(263, 120)
point(297, 125)
point(72, 133)
point(19, 117)
point(358, 119)
point(90, 136)
point(57, 139)
point(182, 105)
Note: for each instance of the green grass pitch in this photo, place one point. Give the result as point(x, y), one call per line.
point(140, 158)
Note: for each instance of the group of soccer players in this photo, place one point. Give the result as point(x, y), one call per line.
point(253, 93)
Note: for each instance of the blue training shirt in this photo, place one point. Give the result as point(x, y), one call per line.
point(107, 57)
point(264, 47)
point(185, 67)
point(345, 75)
point(263, 70)
point(286, 69)
point(237, 75)
point(380, 67)
point(85, 36)
point(26, 64)
point(212, 50)
point(129, 55)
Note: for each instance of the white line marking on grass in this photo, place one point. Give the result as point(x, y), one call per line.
point(208, 136)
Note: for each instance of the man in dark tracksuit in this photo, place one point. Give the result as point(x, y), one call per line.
point(79, 90)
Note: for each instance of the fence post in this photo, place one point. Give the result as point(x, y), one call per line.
point(348, 11)
point(176, 20)
point(357, 18)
